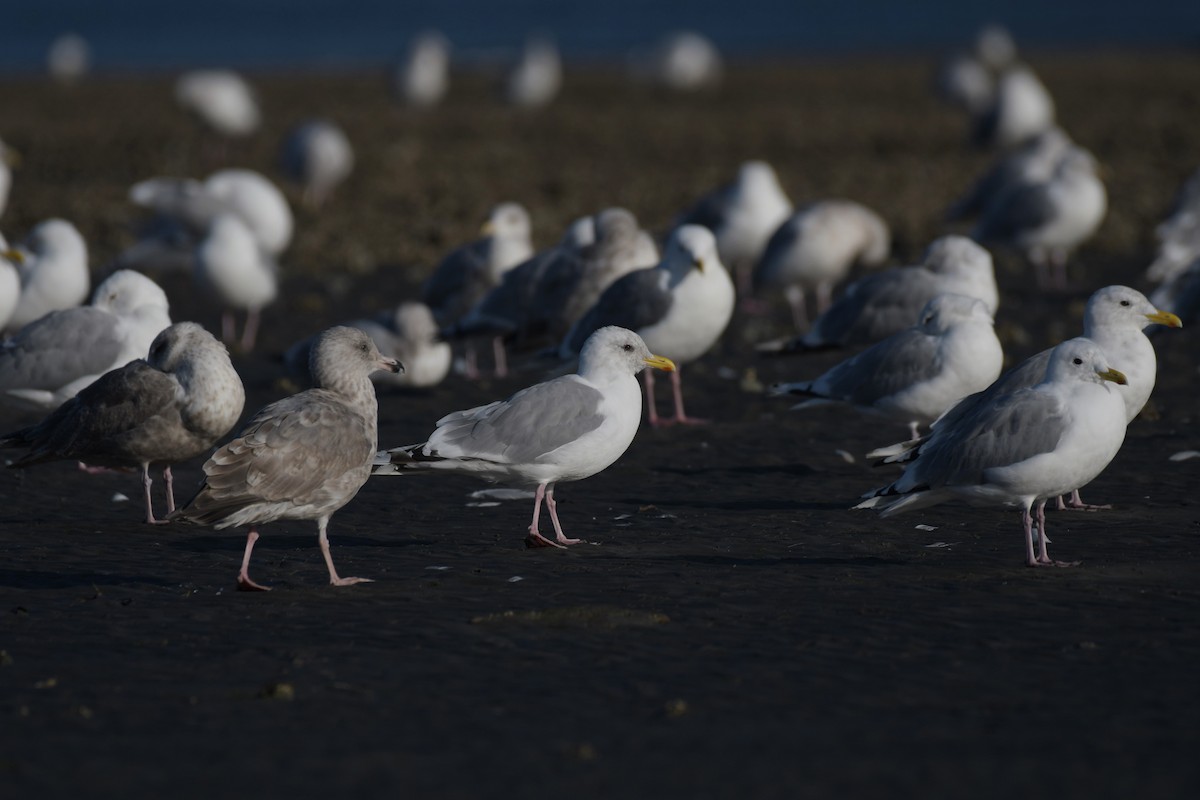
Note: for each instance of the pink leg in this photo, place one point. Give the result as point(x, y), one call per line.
point(795, 298)
point(323, 539)
point(244, 583)
point(824, 297)
point(169, 479)
point(680, 416)
point(250, 332)
point(1027, 524)
point(552, 505)
point(535, 538)
point(146, 484)
point(1043, 559)
point(651, 411)
point(227, 327)
point(1076, 504)
point(472, 364)
point(500, 357)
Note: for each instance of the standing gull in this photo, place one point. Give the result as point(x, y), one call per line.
point(565, 429)
point(469, 272)
point(318, 156)
point(1031, 162)
point(8, 159)
point(535, 79)
point(422, 80)
point(170, 407)
point(814, 249)
point(231, 267)
point(221, 99)
point(887, 302)
point(1023, 448)
point(1046, 220)
point(54, 272)
point(915, 375)
point(742, 214)
point(1021, 107)
point(303, 457)
point(49, 360)
point(680, 309)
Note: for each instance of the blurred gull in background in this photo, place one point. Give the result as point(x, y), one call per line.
point(318, 156)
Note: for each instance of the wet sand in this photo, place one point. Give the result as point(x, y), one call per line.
point(732, 629)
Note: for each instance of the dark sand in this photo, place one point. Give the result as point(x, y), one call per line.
point(735, 631)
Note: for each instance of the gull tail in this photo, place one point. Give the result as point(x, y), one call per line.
point(399, 460)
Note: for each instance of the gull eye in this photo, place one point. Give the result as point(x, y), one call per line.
point(1125, 303)
point(1077, 361)
point(362, 346)
point(628, 348)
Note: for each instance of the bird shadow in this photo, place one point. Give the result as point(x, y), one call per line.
point(748, 504)
point(733, 561)
point(236, 542)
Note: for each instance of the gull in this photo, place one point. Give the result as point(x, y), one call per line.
point(422, 80)
point(54, 272)
point(536, 78)
point(221, 99)
point(1032, 161)
point(407, 333)
point(302, 457)
point(1181, 294)
point(565, 429)
point(469, 272)
point(231, 267)
point(1115, 319)
point(573, 282)
point(52, 358)
point(679, 308)
point(173, 405)
point(68, 58)
point(1021, 107)
point(743, 215)
point(887, 302)
point(915, 375)
point(814, 249)
point(1179, 234)
point(682, 61)
point(318, 156)
point(1023, 448)
point(1046, 220)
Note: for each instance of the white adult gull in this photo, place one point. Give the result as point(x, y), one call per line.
point(742, 214)
point(422, 80)
point(317, 155)
point(221, 99)
point(534, 81)
point(302, 457)
point(680, 308)
point(565, 429)
point(814, 249)
point(1023, 448)
point(51, 359)
point(53, 269)
point(915, 375)
point(1021, 107)
point(240, 276)
point(883, 303)
point(169, 407)
point(1046, 220)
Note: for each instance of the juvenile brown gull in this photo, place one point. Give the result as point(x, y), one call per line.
point(303, 457)
point(168, 408)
